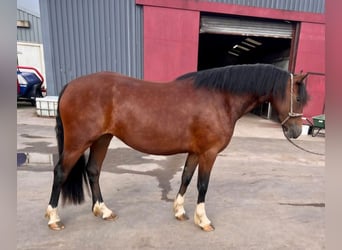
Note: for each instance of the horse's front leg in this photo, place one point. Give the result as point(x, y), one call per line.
point(206, 163)
point(188, 171)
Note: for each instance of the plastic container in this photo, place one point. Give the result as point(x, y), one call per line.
point(47, 106)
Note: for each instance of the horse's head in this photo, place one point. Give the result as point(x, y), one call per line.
point(290, 108)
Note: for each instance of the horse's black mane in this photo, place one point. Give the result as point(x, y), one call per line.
point(259, 79)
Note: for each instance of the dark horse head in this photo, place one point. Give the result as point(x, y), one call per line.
point(290, 107)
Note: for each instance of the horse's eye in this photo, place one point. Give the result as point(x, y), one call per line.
point(298, 99)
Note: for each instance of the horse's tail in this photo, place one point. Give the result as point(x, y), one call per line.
point(72, 187)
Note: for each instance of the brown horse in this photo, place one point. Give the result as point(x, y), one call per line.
point(194, 114)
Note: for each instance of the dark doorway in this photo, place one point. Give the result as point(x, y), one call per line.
point(218, 50)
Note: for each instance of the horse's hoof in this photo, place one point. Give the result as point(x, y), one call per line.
point(57, 226)
point(182, 217)
point(111, 217)
point(97, 212)
point(208, 228)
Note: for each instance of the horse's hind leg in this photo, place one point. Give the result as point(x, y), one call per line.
point(61, 172)
point(188, 171)
point(97, 154)
point(51, 212)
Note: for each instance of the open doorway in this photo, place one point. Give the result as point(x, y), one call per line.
point(217, 50)
point(227, 40)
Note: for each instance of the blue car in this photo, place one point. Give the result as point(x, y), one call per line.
point(29, 84)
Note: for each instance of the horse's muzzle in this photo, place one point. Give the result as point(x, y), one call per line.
point(292, 131)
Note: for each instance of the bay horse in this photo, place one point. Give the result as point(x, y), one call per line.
point(194, 114)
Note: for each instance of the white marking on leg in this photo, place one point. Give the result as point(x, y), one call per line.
point(52, 215)
point(200, 217)
point(100, 209)
point(178, 206)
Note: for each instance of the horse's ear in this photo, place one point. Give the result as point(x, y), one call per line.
point(301, 77)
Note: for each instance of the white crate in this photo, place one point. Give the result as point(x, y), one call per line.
point(47, 106)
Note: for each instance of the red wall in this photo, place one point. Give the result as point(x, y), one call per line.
point(316, 89)
point(311, 48)
point(311, 58)
point(170, 42)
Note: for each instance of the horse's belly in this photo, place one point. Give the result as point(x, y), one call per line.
point(156, 143)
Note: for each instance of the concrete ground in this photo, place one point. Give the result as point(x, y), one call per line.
point(264, 194)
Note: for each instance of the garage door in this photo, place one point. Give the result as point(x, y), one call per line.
point(246, 27)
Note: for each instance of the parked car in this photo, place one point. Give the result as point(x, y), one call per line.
point(29, 84)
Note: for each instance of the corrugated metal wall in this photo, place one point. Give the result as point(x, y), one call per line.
point(315, 6)
point(86, 36)
point(32, 34)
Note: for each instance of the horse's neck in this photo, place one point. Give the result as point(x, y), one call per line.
point(238, 105)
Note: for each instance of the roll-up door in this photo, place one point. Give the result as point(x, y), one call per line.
point(246, 27)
